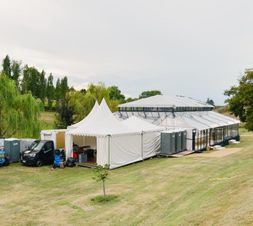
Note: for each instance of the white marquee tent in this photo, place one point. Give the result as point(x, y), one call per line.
point(117, 143)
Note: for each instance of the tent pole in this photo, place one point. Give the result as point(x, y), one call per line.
point(109, 151)
point(142, 145)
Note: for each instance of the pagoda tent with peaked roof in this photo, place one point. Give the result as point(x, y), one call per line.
point(89, 117)
point(116, 144)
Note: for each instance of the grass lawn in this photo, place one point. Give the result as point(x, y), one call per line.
point(191, 190)
point(47, 120)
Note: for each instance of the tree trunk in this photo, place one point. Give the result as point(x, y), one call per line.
point(104, 187)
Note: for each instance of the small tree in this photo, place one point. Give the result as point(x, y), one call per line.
point(101, 174)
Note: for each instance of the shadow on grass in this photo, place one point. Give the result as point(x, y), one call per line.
point(101, 199)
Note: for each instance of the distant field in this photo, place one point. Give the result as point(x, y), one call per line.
point(224, 110)
point(47, 120)
point(191, 190)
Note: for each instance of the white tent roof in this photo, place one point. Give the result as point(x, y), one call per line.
point(101, 123)
point(218, 120)
point(190, 119)
point(166, 101)
point(140, 125)
point(205, 120)
point(190, 122)
point(228, 119)
point(181, 120)
point(89, 117)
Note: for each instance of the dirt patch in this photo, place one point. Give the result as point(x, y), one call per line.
point(217, 153)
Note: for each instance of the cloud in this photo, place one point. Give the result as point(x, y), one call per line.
point(195, 48)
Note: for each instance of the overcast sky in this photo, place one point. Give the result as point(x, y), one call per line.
point(194, 48)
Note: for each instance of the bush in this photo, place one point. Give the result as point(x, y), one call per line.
point(105, 199)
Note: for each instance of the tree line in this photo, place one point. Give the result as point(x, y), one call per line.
point(31, 80)
point(31, 91)
point(25, 91)
point(240, 99)
point(19, 113)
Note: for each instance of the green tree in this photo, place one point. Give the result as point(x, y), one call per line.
point(32, 81)
point(240, 99)
point(115, 94)
point(149, 93)
point(58, 89)
point(83, 101)
point(42, 86)
point(7, 66)
point(12, 69)
point(82, 104)
point(98, 91)
point(101, 174)
point(58, 93)
point(50, 90)
point(25, 80)
point(16, 71)
point(65, 116)
point(130, 99)
point(64, 87)
point(18, 113)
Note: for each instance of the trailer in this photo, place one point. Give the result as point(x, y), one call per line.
point(57, 136)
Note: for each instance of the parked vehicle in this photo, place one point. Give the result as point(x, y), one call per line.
point(30, 147)
point(41, 152)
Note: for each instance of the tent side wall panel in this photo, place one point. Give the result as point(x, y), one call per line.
point(125, 150)
point(102, 151)
point(69, 145)
point(151, 144)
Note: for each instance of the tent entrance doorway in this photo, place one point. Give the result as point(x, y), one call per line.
point(85, 150)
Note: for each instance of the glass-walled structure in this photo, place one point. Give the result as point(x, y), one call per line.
point(204, 126)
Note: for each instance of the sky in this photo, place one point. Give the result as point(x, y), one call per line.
point(194, 48)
